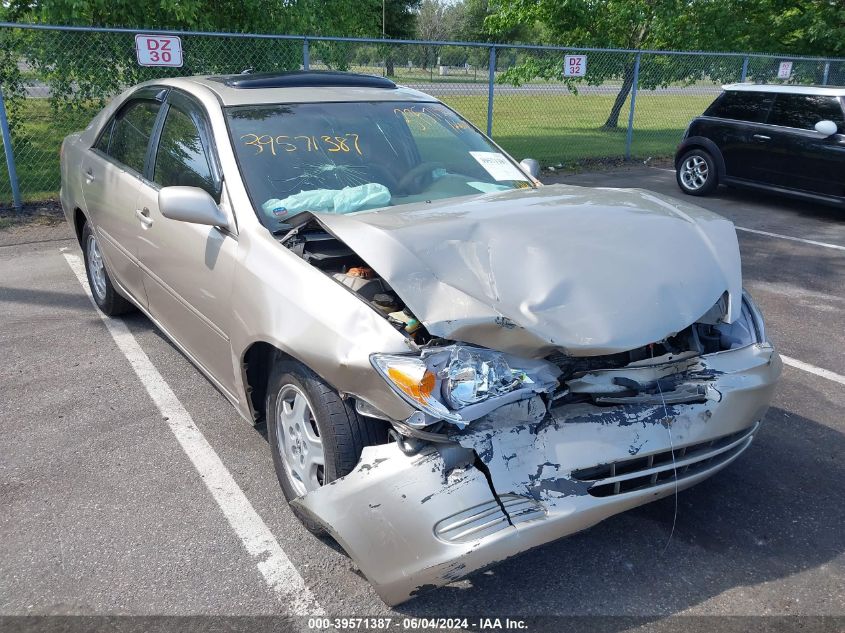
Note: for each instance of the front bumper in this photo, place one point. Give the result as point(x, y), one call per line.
point(417, 522)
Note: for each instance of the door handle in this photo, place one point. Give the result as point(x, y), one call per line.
point(762, 137)
point(144, 216)
point(89, 176)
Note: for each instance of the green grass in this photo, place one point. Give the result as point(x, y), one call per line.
point(37, 134)
point(565, 129)
point(554, 129)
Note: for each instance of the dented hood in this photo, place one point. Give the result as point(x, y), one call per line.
point(587, 270)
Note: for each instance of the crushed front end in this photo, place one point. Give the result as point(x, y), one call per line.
point(536, 450)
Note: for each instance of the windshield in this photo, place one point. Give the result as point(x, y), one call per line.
point(348, 157)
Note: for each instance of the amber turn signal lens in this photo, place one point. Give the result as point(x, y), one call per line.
point(419, 389)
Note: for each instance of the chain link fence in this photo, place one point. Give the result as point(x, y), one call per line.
point(627, 104)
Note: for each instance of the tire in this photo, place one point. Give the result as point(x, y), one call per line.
point(107, 298)
point(696, 173)
point(333, 422)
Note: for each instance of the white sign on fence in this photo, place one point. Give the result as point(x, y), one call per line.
point(574, 65)
point(158, 50)
point(785, 70)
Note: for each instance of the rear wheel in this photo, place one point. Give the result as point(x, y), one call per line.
point(315, 436)
point(104, 293)
point(696, 173)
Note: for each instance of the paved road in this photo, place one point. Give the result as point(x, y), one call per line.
point(103, 512)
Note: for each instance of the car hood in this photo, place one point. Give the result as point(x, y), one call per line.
point(588, 271)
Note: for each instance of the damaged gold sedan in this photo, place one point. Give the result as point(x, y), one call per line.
point(454, 363)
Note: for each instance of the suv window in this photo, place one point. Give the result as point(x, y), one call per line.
point(804, 111)
point(741, 106)
point(180, 159)
point(131, 132)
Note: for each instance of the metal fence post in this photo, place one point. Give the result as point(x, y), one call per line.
point(826, 73)
point(306, 61)
point(10, 156)
point(744, 71)
point(490, 83)
point(630, 136)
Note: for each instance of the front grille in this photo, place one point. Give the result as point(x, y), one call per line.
point(648, 471)
point(484, 519)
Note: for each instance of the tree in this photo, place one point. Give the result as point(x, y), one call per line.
point(629, 24)
point(263, 16)
point(83, 69)
point(799, 27)
point(399, 23)
point(814, 27)
point(433, 24)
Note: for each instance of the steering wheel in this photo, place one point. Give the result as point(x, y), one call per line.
point(415, 180)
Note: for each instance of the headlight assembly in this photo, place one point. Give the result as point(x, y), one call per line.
point(458, 383)
point(746, 330)
point(474, 374)
point(411, 378)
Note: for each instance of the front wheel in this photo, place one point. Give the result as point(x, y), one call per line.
point(696, 173)
point(315, 436)
point(105, 296)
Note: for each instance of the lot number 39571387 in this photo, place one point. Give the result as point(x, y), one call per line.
point(158, 50)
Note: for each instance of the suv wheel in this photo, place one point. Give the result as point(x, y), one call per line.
point(315, 436)
point(696, 173)
point(106, 297)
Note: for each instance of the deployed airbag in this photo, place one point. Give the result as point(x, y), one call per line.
point(369, 196)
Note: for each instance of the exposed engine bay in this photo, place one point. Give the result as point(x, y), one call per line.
point(327, 253)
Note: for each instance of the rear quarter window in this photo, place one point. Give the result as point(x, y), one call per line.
point(752, 107)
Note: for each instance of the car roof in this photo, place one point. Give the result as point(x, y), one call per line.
point(827, 91)
point(301, 87)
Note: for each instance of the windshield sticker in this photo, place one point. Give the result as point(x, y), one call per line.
point(499, 167)
point(346, 143)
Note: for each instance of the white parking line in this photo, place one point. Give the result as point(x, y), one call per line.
point(258, 540)
point(818, 371)
point(778, 235)
point(794, 239)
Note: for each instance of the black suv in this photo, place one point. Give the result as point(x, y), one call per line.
point(787, 139)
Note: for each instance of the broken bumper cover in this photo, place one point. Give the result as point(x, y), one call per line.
point(412, 523)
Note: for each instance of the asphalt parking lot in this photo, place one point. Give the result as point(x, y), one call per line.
point(105, 510)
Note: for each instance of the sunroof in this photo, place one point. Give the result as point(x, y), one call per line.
point(301, 79)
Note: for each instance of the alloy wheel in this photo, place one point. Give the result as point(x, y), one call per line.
point(694, 173)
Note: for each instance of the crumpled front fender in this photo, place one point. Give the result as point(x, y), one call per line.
point(523, 477)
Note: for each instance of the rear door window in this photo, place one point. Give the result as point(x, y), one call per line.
point(804, 111)
point(131, 133)
point(752, 107)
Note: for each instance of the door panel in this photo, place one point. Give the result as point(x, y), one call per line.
point(188, 280)
point(802, 160)
point(188, 267)
point(800, 157)
point(736, 130)
point(111, 182)
point(110, 194)
point(734, 140)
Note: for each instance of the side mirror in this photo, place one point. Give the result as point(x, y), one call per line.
point(826, 128)
point(191, 204)
point(531, 166)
